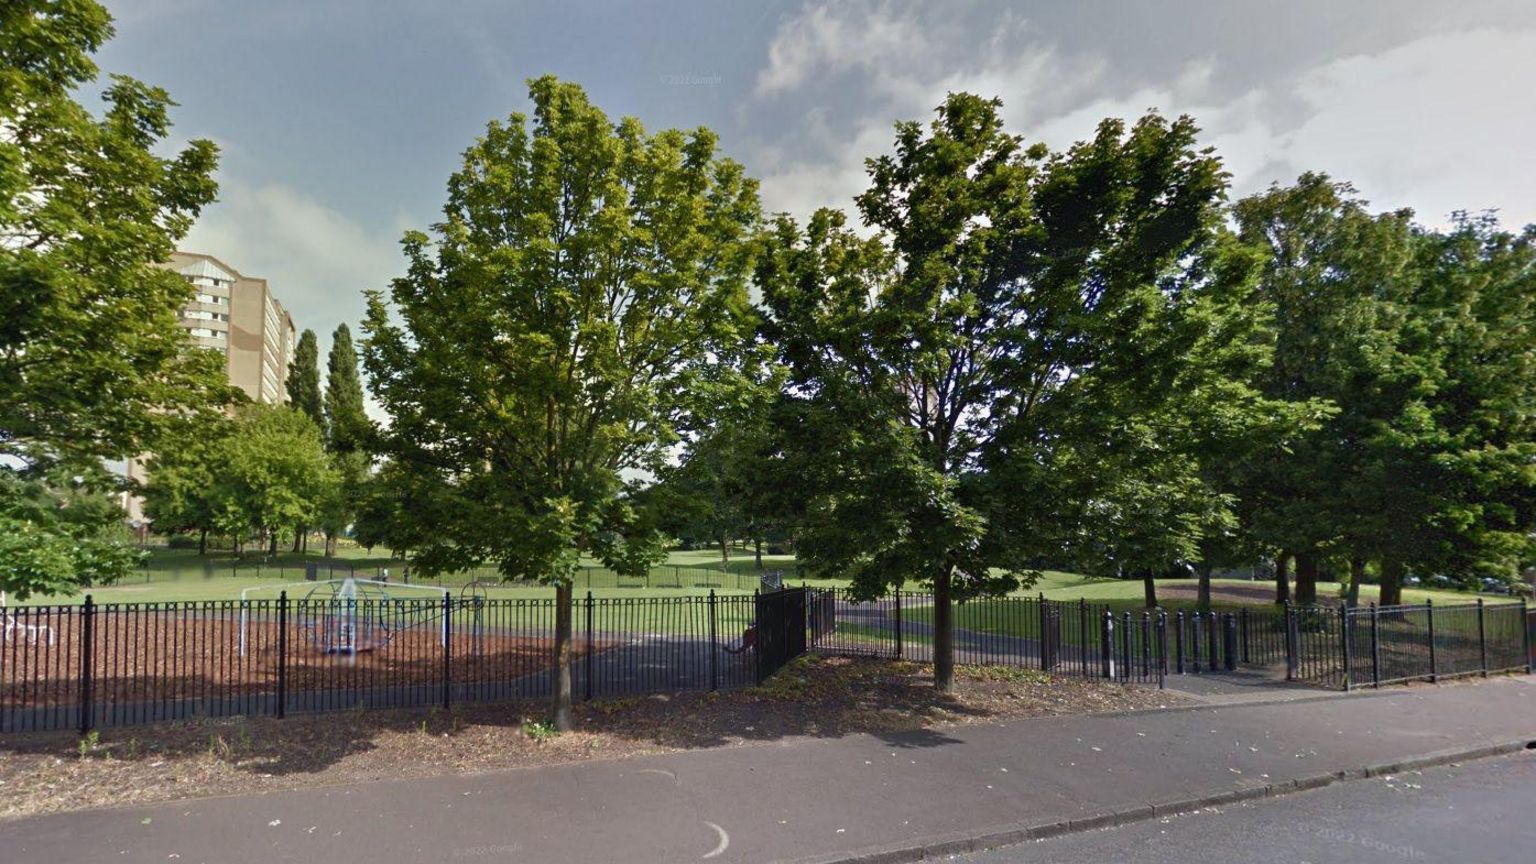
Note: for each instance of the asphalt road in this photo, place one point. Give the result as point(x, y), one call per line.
point(1478, 812)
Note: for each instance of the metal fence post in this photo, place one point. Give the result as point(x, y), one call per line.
point(447, 650)
point(1242, 622)
point(898, 623)
point(1230, 646)
point(1162, 649)
point(1107, 645)
point(1146, 645)
point(1375, 646)
point(1178, 641)
point(1290, 642)
point(282, 654)
point(1434, 666)
point(87, 662)
point(1349, 670)
point(586, 660)
point(1082, 629)
point(1482, 637)
point(1525, 632)
point(1125, 646)
point(1045, 650)
point(714, 650)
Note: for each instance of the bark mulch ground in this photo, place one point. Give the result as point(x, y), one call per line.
point(815, 696)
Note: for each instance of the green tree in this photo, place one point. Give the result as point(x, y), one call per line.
point(182, 491)
point(346, 421)
point(273, 472)
point(91, 357)
point(1018, 297)
point(304, 395)
point(1339, 280)
point(1456, 458)
point(584, 276)
point(304, 379)
point(349, 435)
point(61, 528)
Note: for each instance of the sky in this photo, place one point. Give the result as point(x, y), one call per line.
point(341, 120)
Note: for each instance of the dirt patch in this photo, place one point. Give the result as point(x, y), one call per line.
point(159, 657)
point(814, 696)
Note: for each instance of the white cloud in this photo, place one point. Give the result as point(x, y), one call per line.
point(897, 62)
point(1441, 123)
point(1438, 123)
point(316, 260)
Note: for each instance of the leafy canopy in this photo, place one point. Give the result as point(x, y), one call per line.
point(547, 340)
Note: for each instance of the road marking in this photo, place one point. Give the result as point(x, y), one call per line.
point(662, 771)
point(725, 841)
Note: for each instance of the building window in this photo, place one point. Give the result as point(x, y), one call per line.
point(212, 299)
point(205, 333)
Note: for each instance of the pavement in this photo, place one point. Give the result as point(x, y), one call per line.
point(1472, 813)
point(856, 798)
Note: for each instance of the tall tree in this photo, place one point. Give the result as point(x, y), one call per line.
point(304, 379)
point(346, 422)
point(1338, 278)
point(91, 357)
point(1019, 290)
point(304, 395)
point(348, 435)
point(584, 277)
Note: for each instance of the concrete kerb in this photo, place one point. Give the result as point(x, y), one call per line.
point(969, 842)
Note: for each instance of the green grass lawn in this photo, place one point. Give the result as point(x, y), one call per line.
point(182, 575)
point(1125, 595)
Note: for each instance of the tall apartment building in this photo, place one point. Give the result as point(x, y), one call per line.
point(239, 316)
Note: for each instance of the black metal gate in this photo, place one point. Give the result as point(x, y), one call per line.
point(781, 624)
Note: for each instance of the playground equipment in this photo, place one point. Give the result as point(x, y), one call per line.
point(31, 634)
point(473, 596)
point(351, 616)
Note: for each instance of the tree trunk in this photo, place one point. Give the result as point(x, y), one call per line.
point(330, 545)
point(1282, 577)
point(1356, 576)
point(1149, 588)
point(1306, 578)
point(561, 673)
point(1204, 597)
point(725, 554)
point(943, 634)
point(1391, 581)
point(272, 542)
point(298, 538)
point(202, 542)
point(758, 549)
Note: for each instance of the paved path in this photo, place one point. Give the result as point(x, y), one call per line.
point(805, 799)
point(1477, 813)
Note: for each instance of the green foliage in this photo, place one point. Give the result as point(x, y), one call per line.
point(263, 470)
point(539, 730)
point(92, 362)
point(349, 436)
point(304, 379)
point(60, 529)
point(346, 422)
point(554, 334)
point(1420, 342)
point(90, 352)
point(990, 374)
point(274, 471)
